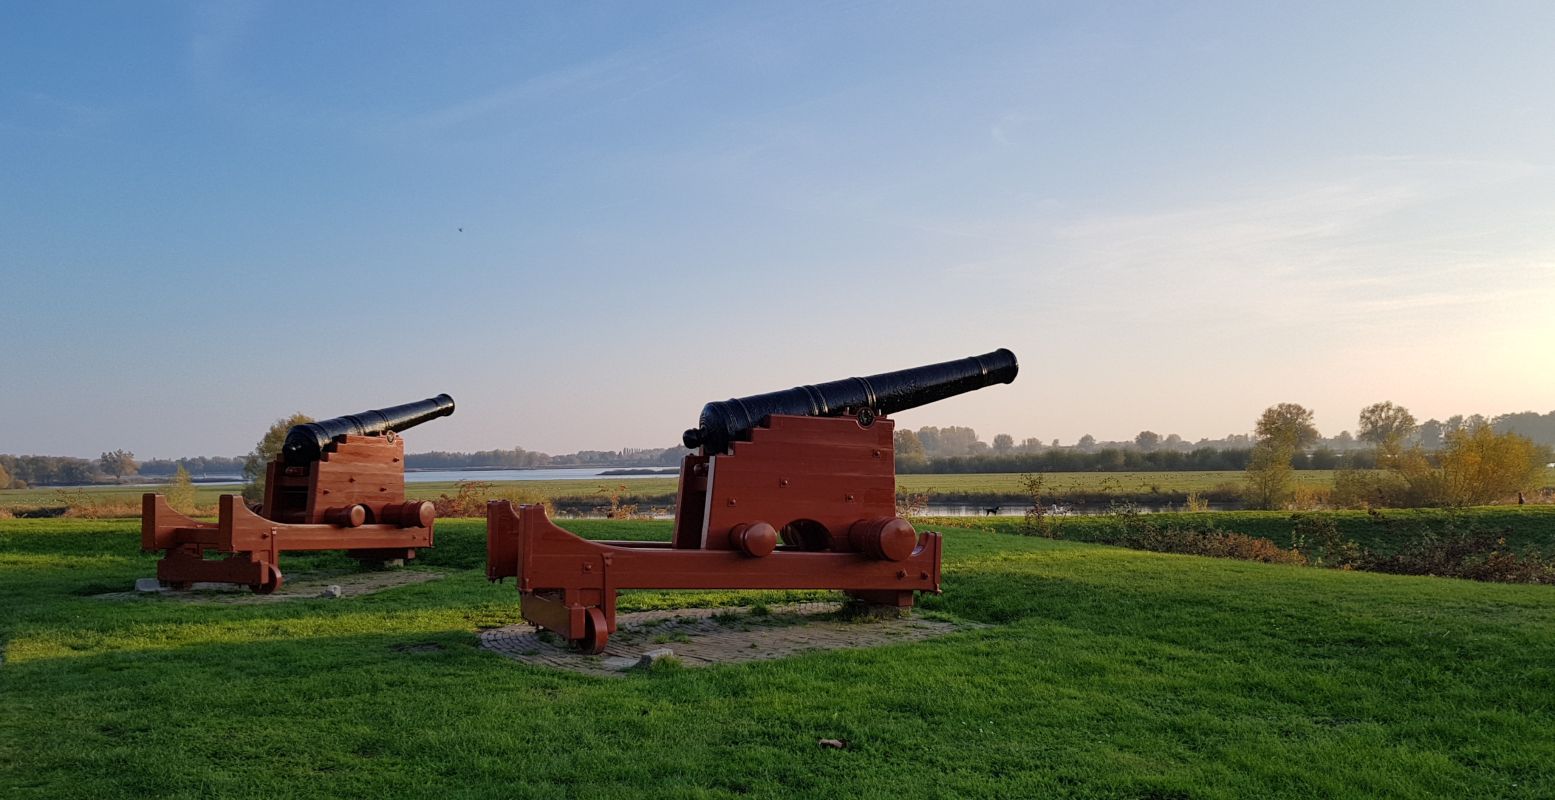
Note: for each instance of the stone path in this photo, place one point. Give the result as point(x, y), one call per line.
point(302, 586)
point(703, 636)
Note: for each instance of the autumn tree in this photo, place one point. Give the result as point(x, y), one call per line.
point(1386, 426)
point(1481, 466)
point(264, 452)
point(1286, 425)
point(117, 463)
point(180, 491)
point(909, 450)
point(5, 478)
point(1282, 430)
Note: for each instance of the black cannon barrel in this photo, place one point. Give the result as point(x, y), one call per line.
point(724, 422)
point(305, 443)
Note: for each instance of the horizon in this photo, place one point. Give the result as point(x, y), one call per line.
point(584, 223)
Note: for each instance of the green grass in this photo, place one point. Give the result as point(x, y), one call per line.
point(1386, 531)
point(1105, 673)
point(971, 487)
point(1132, 483)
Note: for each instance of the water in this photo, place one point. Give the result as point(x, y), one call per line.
point(552, 474)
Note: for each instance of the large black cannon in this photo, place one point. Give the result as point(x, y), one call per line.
point(305, 443)
point(723, 422)
point(791, 490)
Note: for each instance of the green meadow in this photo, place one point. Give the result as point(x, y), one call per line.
point(1102, 672)
point(596, 490)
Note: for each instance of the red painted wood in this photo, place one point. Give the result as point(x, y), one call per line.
point(831, 471)
point(364, 470)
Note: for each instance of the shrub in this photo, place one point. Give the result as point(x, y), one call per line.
point(1366, 488)
point(470, 498)
point(180, 491)
point(1211, 542)
point(1465, 551)
point(1036, 521)
point(1317, 538)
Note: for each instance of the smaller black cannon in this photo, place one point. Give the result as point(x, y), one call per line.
point(305, 443)
point(338, 484)
point(724, 422)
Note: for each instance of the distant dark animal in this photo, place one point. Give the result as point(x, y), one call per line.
point(989, 512)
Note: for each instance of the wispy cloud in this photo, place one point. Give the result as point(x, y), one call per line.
point(218, 31)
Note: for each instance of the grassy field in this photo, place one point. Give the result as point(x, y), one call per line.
point(1122, 483)
point(1104, 673)
point(584, 493)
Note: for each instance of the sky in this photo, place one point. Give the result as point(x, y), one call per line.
point(585, 220)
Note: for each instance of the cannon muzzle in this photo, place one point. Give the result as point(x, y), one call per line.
point(723, 422)
point(305, 443)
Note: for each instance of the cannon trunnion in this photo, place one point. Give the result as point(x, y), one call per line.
point(346, 492)
point(790, 490)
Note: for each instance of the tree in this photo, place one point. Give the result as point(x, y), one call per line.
point(1386, 426)
point(1287, 425)
point(264, 452)
point(1086, 442)
point(1003, 443)
point(1481, 466)
point(957, 440)
point(5, 478)
point(1269, 476)
point(1148, 440)
point(180, 491)
point(1431, 432)
point(1173, 441)
point(1282, 430)
point(117, 463)
point(908, 449)
point(928, 435)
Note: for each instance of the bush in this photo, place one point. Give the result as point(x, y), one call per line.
point(180, 491)
point(1366, 488)
point(470, 499)
point(1317, 538)
point(1212, 542)
point(1465, 551)
point(1036, 521)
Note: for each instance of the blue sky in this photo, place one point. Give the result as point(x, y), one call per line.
point(213, 215)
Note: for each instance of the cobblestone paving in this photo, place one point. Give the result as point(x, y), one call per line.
point(303, 586)
point(703, 636)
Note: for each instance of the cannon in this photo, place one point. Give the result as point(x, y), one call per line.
point(337, 484)
point(793, 489)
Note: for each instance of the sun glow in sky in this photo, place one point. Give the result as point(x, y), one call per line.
point(584, 221)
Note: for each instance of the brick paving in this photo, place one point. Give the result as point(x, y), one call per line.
point(703, 636)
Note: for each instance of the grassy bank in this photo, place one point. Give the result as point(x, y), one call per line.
point(1105, 673)
point(1389, 531)
point(1083, 490)
point(1163, 486)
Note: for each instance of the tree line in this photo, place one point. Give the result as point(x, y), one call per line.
point(1473, 464)
point(952, 449)
point(519, 458)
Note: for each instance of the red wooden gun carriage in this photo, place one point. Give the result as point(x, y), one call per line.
point(338, 484)
point(788, 490)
